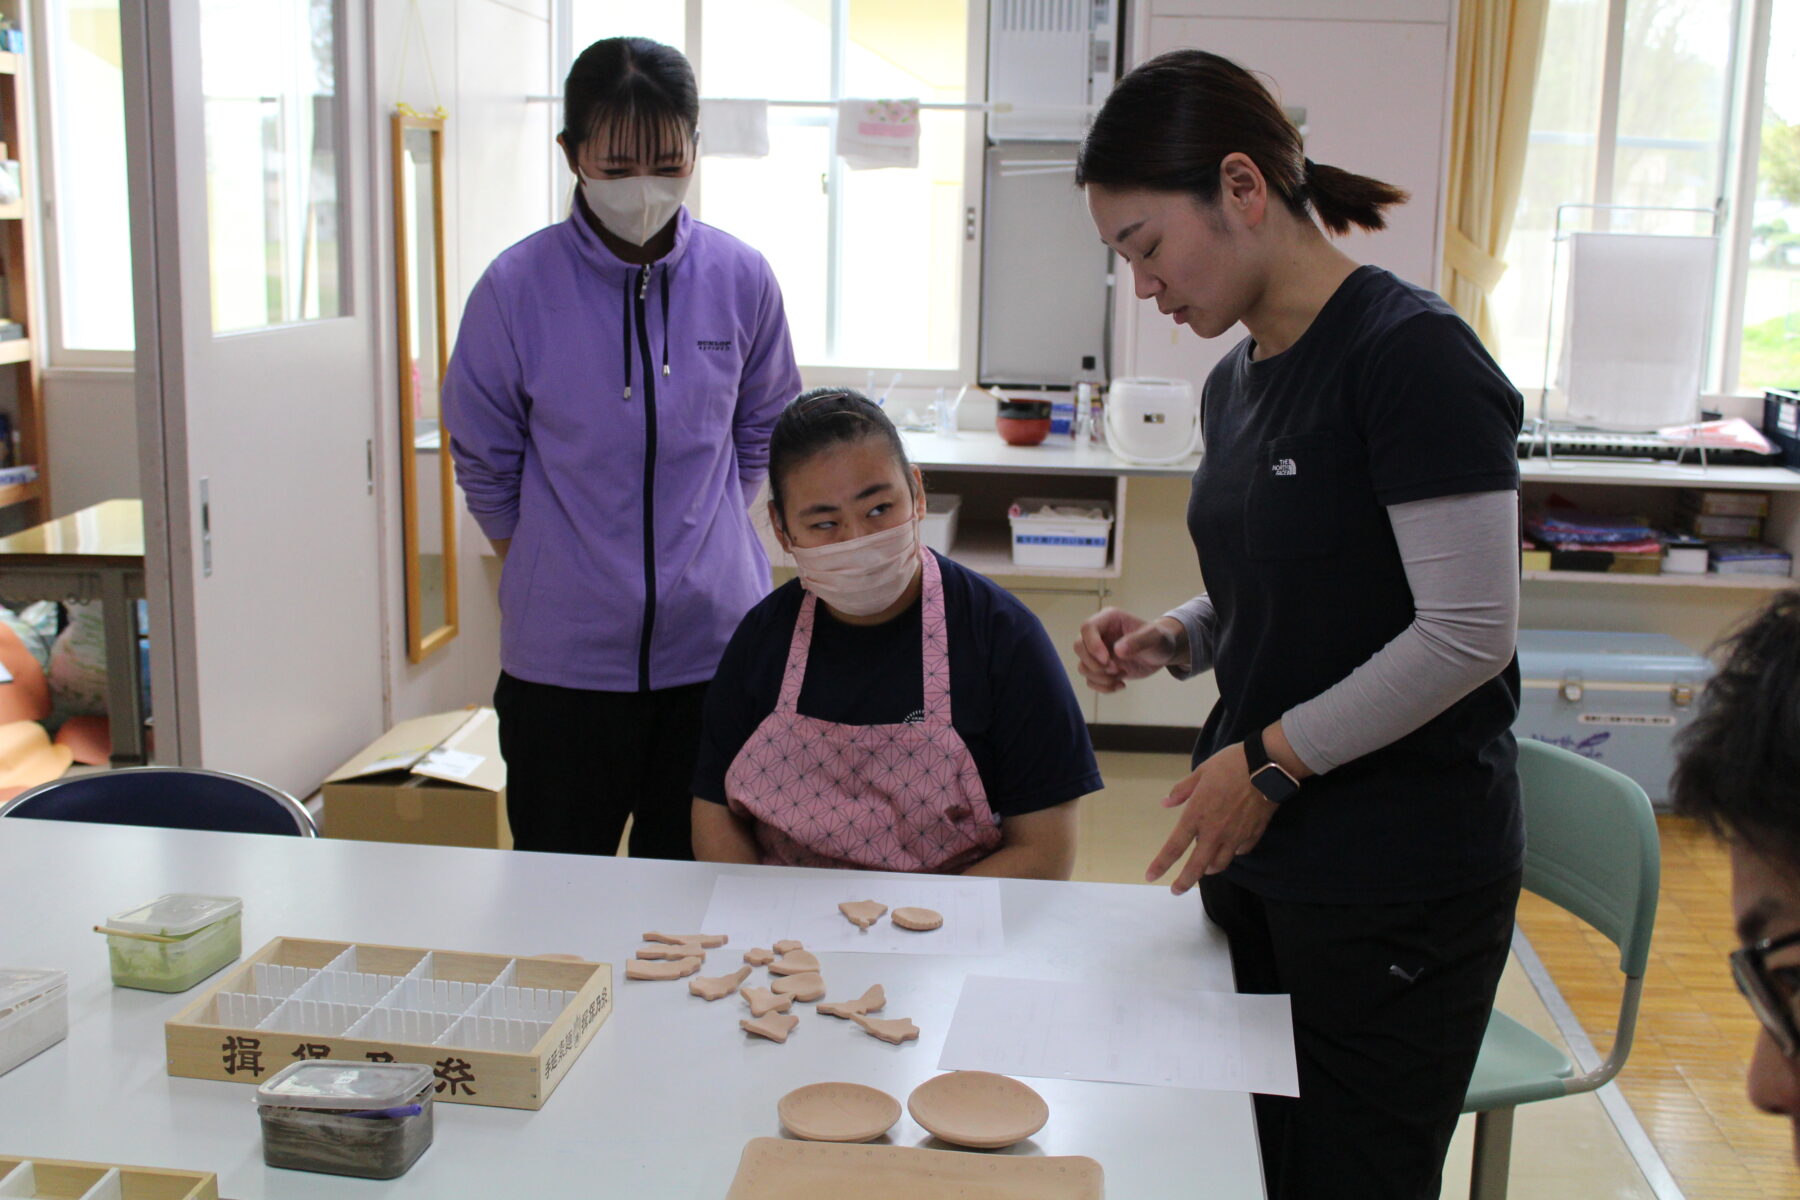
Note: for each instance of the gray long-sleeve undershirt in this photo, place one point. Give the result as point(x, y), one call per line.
point(1461, 557)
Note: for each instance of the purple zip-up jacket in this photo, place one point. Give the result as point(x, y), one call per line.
point(613, 420)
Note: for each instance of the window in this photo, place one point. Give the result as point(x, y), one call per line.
point(1641, 103)
point(876, 267)
point(88, 244)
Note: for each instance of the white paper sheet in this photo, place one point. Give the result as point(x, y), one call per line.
point(1123, 1033)
point(760, 911)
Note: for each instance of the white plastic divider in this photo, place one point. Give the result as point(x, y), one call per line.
point(342, 987)
point(316, 1017)
point(278, 981)
point(401, 1025)
point(523, 1004)
point(21, 1181)
point(240, 1008)
point(493, 1033)
point(109, 1186)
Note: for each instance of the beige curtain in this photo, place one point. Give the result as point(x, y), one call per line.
point(1498, 43)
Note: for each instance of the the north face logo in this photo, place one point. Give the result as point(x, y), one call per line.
point(1284, 466)
point(706, 345)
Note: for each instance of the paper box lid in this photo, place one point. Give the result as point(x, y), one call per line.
point(458, 747)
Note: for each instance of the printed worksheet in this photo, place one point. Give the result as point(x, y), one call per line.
point(1123, 1033)
point(760, 910)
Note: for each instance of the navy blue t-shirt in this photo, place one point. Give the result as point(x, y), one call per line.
point(1010, 698)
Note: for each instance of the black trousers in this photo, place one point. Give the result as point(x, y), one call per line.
point(578, 763)
point(1390, 1003)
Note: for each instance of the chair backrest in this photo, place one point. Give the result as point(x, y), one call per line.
point(168, 798)
point(1591, 846)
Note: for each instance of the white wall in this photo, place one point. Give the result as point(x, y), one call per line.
point(91, 429)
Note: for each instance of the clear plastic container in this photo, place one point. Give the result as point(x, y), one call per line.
point(34, 1012)
point(370, 1120)
point(175, 941)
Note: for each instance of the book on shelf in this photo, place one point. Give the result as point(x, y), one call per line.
point(1750, 558)
point(1723, 503)
point(1719, 526)
point(12, 476)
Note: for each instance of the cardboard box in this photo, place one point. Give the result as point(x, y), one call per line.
point(437, 780)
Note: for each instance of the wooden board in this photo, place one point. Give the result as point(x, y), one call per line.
point(62, 1178)
point(778, 1169)
point(282, 1004)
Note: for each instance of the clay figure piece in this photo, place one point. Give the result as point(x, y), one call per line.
point(838, 1112)
point(870, 1001)
point(763, 1002)
point(788, 946)
point(775, 1026)
point(797, 962)
point(706, 941)
point(678, 968)
point(658, 951)
point(758, 957)
point(978, 1109)
point(919, 920)
point(896, 1032)
point(717, 987)
point(810, 986)
point(862, 913)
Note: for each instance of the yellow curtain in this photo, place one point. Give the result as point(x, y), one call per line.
point(1498, 44)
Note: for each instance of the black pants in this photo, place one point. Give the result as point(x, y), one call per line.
point(1390, 1004)
point(579, 762)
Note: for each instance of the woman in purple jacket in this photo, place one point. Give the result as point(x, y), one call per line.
point(610, 401)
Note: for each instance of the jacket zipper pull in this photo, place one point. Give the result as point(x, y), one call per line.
point(644, 282)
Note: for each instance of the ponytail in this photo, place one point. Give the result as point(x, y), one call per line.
point(1342, 198)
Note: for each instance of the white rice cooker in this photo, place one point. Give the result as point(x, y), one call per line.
point(1152, 421)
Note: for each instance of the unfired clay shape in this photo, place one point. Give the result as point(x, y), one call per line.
point(758, 957)
point(797, 962)
point(810, 986)
point(717, 987)
point(678, 968)
point(775, 1026)
point(870, 1001)
point(896, 1032)
point(862, 913)
point(978, 1109)
point(706, 941)
point(919, 920)
point(838, 1112)
point(657, 951)
point(788, 946)
point(762, 1001)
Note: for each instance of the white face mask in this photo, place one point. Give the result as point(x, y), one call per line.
point(637, 207)
point(864, 575)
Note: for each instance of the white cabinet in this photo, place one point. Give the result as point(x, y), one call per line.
point(1310, 10)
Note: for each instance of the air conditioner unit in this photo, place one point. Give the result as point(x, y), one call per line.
point(1050, 64)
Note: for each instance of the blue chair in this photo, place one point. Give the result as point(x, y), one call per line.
point(167, 798)
point(1591, 847)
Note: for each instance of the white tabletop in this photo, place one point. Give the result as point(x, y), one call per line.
point(985, 451)
point(662, 1101)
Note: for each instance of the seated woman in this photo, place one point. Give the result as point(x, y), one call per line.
point(889, 709)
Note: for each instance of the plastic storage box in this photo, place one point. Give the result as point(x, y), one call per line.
point(34, 1012)
point(175, 941)
point(367, 1119)
point(938, 529)
point(1056, 539)
point(1617, 698)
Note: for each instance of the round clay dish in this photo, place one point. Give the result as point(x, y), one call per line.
point(978, 1109)
point(838, 1112)
point(921, 920)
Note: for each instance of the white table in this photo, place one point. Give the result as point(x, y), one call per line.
point(660, 1104)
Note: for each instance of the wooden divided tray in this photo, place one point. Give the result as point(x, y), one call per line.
point(496, 1030)
point(49, 1177)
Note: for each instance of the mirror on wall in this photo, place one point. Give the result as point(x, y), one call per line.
point(426, 475)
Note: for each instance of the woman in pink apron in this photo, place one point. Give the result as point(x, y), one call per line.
point(889, 709)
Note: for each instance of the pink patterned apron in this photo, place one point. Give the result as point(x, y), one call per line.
point(878, 797)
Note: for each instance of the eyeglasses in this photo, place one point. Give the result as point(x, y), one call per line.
point(1773, 992)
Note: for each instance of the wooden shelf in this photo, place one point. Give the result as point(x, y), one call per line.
point(18, 493)
point(9, 63)
point(1764, 583)
point(16, 350)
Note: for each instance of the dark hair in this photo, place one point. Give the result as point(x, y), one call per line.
point(1738, 764)
point(818, 420)
point(1171, 122)
point(644, 89)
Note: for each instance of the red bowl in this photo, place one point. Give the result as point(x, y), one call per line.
point(1022, 431)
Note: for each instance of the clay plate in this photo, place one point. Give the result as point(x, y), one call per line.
point(778, 1169)
point(978, 1109)
point(838, 1112)
point(920, 920)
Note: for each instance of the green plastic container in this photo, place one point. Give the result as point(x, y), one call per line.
point(206, 933)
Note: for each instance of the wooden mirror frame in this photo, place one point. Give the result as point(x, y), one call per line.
point(420, 642)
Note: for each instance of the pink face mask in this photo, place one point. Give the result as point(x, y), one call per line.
point(864, 575)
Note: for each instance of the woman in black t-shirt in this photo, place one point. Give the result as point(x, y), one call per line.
point(1353, 809)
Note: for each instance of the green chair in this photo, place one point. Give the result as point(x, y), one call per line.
point(1591, 847)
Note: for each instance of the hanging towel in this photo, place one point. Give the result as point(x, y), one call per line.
point(734, 128)
point(878, 133)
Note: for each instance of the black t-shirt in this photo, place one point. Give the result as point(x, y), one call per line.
point(1388, 397)
point(1010, 698)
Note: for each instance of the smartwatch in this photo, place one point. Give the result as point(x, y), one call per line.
point(1267, 776)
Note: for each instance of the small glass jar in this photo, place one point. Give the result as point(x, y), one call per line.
point(175, 941)
point(364, 1119)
